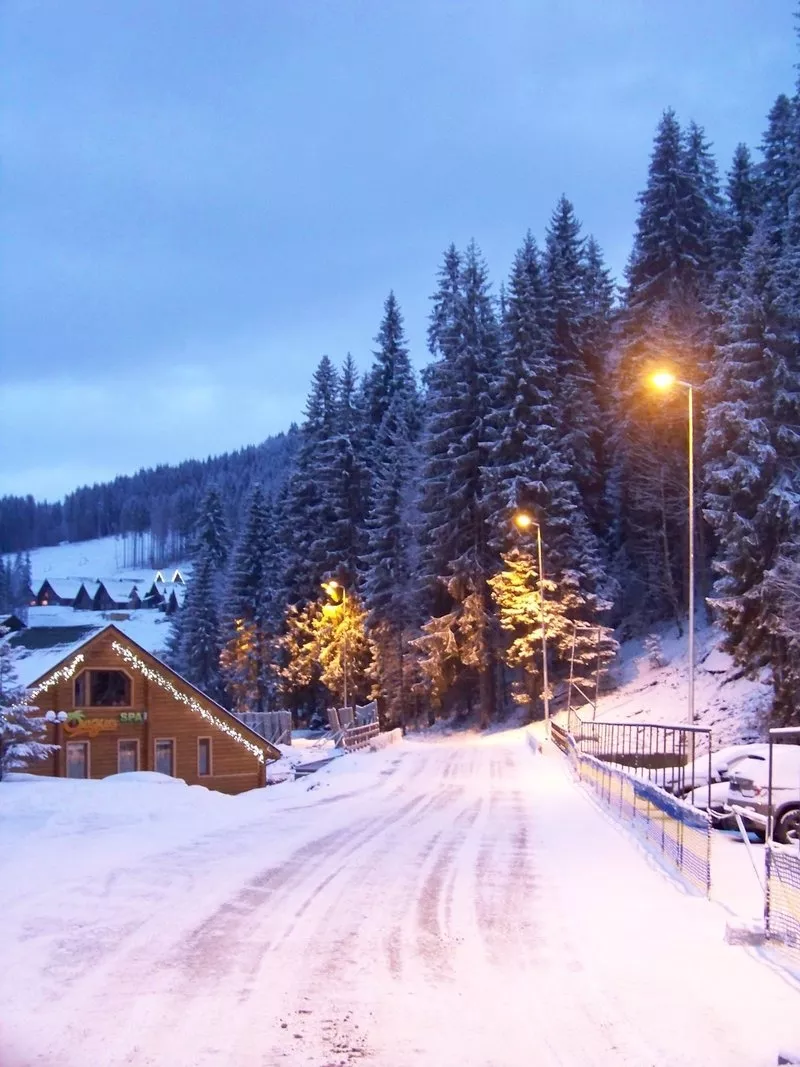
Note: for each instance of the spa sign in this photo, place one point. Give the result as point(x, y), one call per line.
point(78, 723)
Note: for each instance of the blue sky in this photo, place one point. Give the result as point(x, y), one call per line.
point(201, 197)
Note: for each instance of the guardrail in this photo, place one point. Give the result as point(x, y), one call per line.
point(679, 832)
point(669, 756)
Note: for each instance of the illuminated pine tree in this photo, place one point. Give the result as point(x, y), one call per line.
point(344, 650)
point(437, 661)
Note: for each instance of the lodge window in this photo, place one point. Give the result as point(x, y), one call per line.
point(77, 759)
point(203, 756)
point(103, 689)
point(127, 756)
point(165, 757)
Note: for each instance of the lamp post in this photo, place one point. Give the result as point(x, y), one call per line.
point(523, 521)
point(664, 380)
point(332, 588)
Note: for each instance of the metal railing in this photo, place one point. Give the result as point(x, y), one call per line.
point(670, 756)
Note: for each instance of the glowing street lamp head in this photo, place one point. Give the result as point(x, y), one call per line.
point(523, 520)
point(663, 379)
point(331, 586)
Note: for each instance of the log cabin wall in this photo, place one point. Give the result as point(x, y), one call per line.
point(147, 716)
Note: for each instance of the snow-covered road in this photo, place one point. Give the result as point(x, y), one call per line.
point(463, 903)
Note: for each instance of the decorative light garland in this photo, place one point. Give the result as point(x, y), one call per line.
point(132, 660)
point(63, 674)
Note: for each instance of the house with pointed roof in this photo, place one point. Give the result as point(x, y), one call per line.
point(84, 598)
point(62, 593)
point(114, 707)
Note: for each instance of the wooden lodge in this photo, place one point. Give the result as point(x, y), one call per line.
point(107, 595)
point(114, 707)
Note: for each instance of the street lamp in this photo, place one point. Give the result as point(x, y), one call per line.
point(523, 521)
point(665, 380)
point(332, 588)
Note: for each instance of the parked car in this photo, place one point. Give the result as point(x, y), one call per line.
point(689, 778)
point(748, 787)
point(720, 813)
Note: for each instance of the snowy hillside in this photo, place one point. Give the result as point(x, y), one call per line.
point(733, 707)
point(104, 558)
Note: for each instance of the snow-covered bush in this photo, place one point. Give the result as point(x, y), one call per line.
point(655, 651)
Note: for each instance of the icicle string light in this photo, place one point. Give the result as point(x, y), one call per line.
point(63, 674)
point(132, 660)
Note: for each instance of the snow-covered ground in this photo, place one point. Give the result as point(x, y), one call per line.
point(454, 902)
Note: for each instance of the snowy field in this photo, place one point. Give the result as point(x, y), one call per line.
point(451, 903)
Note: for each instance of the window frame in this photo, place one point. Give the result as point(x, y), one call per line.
point(129, 741)
point(210, 772)
point(88, 748)
point(173, 743)
point(94, 707)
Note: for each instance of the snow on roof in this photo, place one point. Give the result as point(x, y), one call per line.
point(119, 588)
point(65, 588)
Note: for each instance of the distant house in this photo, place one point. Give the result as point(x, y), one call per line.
point(65, 595)
point(84, 600)
point(102, 600)
point(153, 598)
point(172, 604)
point(13, 623)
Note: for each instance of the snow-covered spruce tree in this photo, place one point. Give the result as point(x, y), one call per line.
point(778, 177)
point(575, 365)
point(740, 212)
point(665, 312)
point(198, 653)
point(393, 419)
point(521, 426)
point(252, 612)
point(436, 662)
point(388, 579)
point(515, 590)
point(211, 537)
point(21, 729)
point(304, 513)
point(343, 485)
point(527, 471)
point(463, 335)
point(195, 640)
point(343, 644)
point(391, 377)
point(751, 453)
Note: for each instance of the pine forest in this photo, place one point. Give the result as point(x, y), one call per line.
point(390, 546)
